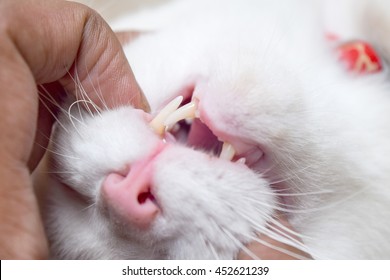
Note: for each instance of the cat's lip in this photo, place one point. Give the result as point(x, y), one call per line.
point(204, 133)
point(243, 148)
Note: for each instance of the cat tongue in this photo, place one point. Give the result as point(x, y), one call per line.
point(200, 136)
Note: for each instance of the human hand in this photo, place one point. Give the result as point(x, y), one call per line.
point(45, 43)
point(267, 248)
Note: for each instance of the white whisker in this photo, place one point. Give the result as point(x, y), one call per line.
point(213, 251)
point(56, 153)
point(84, 96)
point(59, 172)
point(50, 111)
point(49, 98)
point(279, 249)
point(82, 92)
point(71, 117)
point(279, 235)
point(54, 143)
point(88, 207)
point(240, 245)
point(99, 95)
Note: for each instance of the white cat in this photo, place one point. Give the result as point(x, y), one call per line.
point(266, 79)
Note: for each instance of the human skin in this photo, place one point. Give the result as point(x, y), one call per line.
point(44, 42)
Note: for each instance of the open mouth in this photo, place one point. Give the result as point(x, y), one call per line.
point(187, 124)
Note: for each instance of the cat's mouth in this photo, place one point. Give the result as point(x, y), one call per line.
point(186, 124)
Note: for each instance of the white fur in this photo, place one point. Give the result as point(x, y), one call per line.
point(265, 75)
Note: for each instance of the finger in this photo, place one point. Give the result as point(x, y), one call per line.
point(42, 42)
point(126, 37)
point(50, 97)
point(72, 41)
point(103, 70)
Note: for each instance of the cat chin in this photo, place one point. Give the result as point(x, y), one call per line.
point(226, 203)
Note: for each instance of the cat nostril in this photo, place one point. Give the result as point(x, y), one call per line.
point(142, 197)
point(130, 197)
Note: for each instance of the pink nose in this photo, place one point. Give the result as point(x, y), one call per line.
point(130, 197)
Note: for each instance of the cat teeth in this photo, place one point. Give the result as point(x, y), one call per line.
point(227, 152)
point(172, 113)
point(187, 111)
point(157, 124)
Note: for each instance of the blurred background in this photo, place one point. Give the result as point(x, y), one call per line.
point(115, 8)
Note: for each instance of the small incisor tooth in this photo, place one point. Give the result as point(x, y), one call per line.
point(227, 152)
point(157, 124)
point(185, 112)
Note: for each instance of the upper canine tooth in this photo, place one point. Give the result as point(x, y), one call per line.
point(185, 112)
point(227, 152)
point(157, 124)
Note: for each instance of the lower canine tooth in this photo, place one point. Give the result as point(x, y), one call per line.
point(227, 152)
point(185, 112)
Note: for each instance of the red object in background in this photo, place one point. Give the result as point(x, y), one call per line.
point(360, 57)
